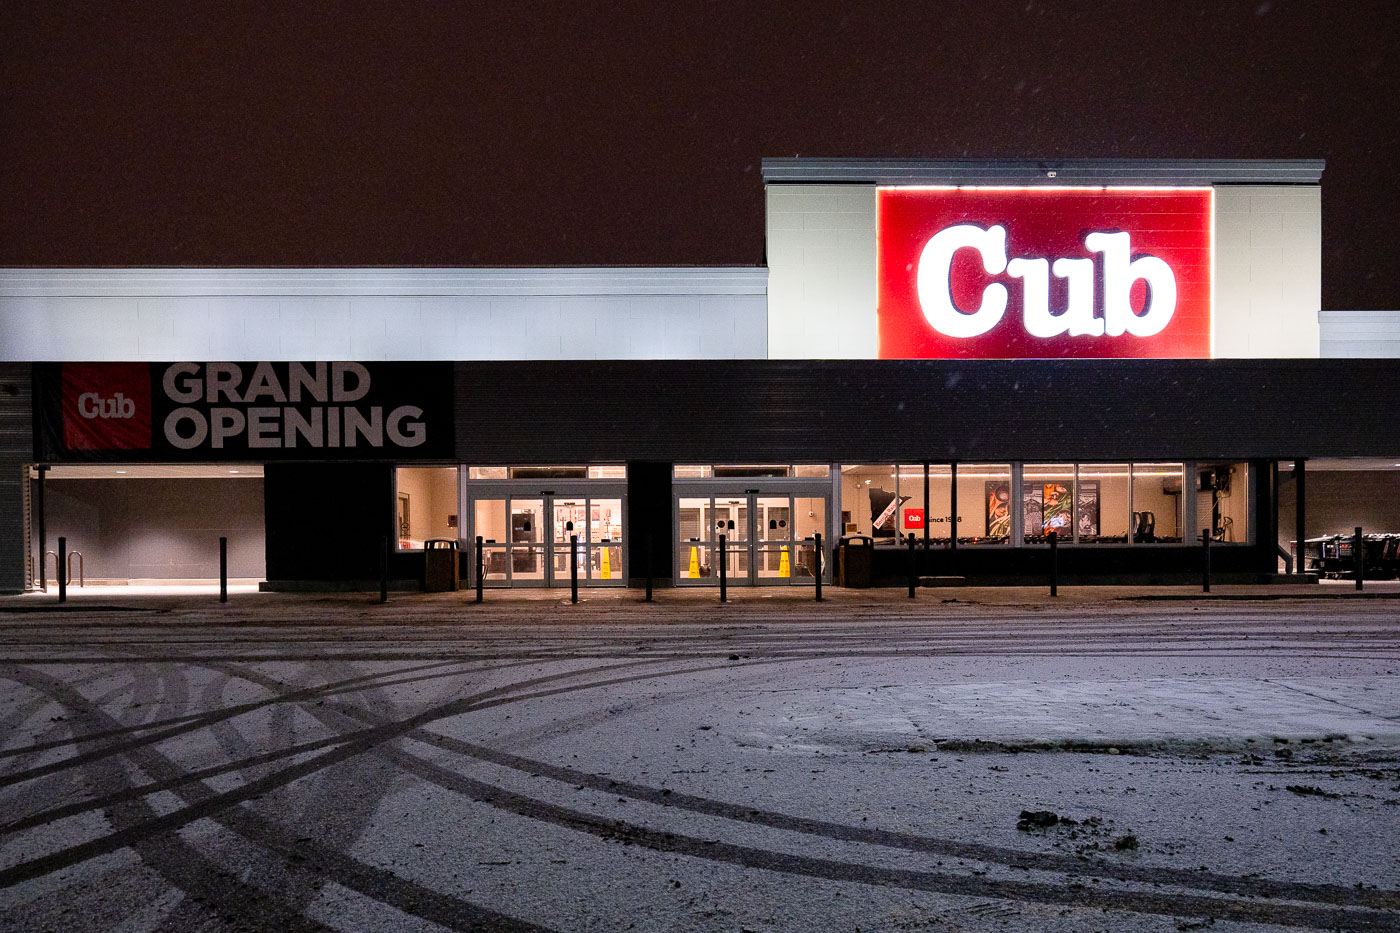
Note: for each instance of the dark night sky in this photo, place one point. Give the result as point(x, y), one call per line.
point(463, 134)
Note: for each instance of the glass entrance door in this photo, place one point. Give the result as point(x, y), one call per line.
point(769, 538)
point(525, 538)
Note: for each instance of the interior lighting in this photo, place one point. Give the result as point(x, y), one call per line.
point(962, 474)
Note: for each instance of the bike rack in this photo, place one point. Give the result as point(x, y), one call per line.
point(57, 571)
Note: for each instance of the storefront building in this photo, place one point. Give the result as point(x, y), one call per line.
point(1127, 354)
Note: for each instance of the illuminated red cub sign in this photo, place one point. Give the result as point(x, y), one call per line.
point(1027, 273)
point(913, 518)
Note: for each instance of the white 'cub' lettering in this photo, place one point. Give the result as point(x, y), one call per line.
point(1120, 272)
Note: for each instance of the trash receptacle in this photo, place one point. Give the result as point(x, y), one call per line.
point(440, 573)
point(855, 560)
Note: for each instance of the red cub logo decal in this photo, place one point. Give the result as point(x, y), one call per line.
point(106, 406)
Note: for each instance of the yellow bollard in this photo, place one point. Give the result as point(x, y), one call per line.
point(694, 562)
point(784, 565)
point(607, 567)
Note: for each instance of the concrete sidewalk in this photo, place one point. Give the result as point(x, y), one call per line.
point(621, 605)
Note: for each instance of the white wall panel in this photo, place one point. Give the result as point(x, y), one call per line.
point(821, 259)
point(1361, 334)
point(1268, 271)
point(377, 314)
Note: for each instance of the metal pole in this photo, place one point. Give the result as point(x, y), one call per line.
point(573, 568)
point(723, 574)
point(927, 511)
point(43, 533)
point(479, 563)
point(820, 563)
point(1273, 485)
point(646, 556)
point(953, 507)
point(384, 568)
point(1358, 555)
point(913, 567)
point(62, 567)
point(1300, 477)
point(1205, 561)
point(223, 570)
point(1054, 563)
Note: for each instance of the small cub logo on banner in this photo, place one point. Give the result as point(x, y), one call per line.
point(913, 518)
point(106, 406)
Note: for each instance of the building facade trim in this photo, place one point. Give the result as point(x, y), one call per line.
point(809, 171)
point(381, 282)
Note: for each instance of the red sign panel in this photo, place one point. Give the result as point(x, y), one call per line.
point(913, 518)
point(106, 406)
point(1026, 273)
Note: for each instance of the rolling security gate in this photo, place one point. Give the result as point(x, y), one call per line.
point(769, 533)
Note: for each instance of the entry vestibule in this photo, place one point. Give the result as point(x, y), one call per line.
point(525, 532)
point(769, 522)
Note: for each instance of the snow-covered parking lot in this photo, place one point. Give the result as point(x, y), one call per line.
point(321, 763)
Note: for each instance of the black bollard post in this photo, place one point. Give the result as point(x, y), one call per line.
point(913, 567)
point(1054, 563)
point(62, 569)
point(723, 573)
point(573, 568)
point(1205, 562)
point(820, 563)
point(384, 569)
point(646, 556)
point(223, 570)
point(480, 563)
point(1358, 553)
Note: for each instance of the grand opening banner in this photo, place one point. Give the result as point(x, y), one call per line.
point(1035, 273)
point(217, 411)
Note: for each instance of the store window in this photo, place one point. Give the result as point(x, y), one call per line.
point(597, 471)
point(1048, 501)
point(1157, 511)
point(870, 500)
point(938, 512)
point(750, 470)
point(549, 472)
point(888, 503)
point(912, 511)
point(425, 505)
point(984, 503)
point(1222, 501)
point(1103, 513)
point(753, 470)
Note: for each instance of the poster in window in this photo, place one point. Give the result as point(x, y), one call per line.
point(998, 509)
point(1087, 509)
point(1053, 506)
